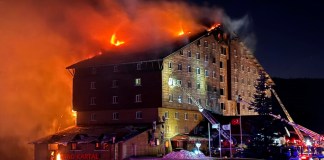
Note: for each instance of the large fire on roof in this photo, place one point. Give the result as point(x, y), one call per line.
point(39, 39)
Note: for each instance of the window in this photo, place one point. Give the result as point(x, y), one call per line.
point(195, 116)
point(199, 101)
point(115, 116)
point(189, 100)
point(189, 53)
point(221, 78)
point(166, 115)
point(179, 67)
point(138, 82)
point(207, 102)
point(222, 106)
point(74, 146)
point(170, 97)
point(176, 115)
point(235, 79)
point(181, 52)
point(206, 73)
point(198, 70)
point(221, 91)
point(139, 66)
point(213, 45)
point(189, 68)
point(115, 68)
point(92, 85)
point(115, 99)
point(198, 43)
point(93, 101)
point(186, 116)
point(139, 115)
point(206, 58)
point(170, 65)
point(180, 99)
point(189, 84)
point(138, 98)
point(221, 64)
point(197, 55)
point(93, 117)
point(114, 83)
point(214, 74)
point(198, 85)
point(97, 146)
point(94, 71)
point(179, 82)
point(205, 44)
point(214, 60)
point(186, 129)
point(214, 88)
point(223, 50)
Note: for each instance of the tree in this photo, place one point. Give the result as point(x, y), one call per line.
point(263, 127)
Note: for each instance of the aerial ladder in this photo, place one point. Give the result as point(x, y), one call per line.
point(290, 120)
point(207, 115)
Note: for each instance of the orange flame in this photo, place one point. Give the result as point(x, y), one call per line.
point(58, 156)
point(115, 42)
point(214, 26)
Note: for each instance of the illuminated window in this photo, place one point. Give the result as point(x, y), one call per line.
point(114, 83)
point(166, 115)
point(195, 116)
point(176, 115)
point(189, 68)
point(198, 70)
point(138, 82)
point(139, 115)
point(93, 117)
point(222, 106)
point(139, 66)
point(198, 85)
point(189, 53)
point(92, 85)
point(170, 97)
point(189, 84)
point(206, 73)
point(221, 91)
point(180, 99)
point(221, 65)
point(197, 55)
point(179, 67)
point(170, 65)
point(115, 68)
point(92, 101)
point(94, 70)
point(97, 145)
point(115, 116)
point(138, 98)
point(221, 78)
point(115, 99)
point(74, 146)
point(206, 58)
point(186, 116)
point(214, 74)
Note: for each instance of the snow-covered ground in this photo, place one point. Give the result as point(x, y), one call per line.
point(184, 154)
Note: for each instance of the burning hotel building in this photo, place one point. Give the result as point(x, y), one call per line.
point(141, 104)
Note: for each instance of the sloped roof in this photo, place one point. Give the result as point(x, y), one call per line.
point(88, 134)
point(119, 57)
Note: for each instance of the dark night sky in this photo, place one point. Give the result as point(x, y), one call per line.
point(289, 34)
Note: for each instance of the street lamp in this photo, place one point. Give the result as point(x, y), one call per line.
point(198, 144)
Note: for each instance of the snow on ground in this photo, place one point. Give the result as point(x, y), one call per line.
point(184, 154)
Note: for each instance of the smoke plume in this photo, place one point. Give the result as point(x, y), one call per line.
point(39, 38)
